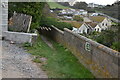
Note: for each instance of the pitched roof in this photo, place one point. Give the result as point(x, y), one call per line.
point(97, 18)
point(92, 24)
point(77, 24)
point(74, 23)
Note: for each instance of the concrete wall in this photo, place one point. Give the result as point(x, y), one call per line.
point(4, 16)
point(99, 59)
point(20, 37)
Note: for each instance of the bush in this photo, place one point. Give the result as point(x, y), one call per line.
point(116, 46)
point(48, 21)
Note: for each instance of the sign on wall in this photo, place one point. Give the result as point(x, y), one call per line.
point(87, 46)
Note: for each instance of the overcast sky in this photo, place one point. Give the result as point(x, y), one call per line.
point(103, 2)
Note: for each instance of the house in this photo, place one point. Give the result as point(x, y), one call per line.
point(79, 27)
point(80, 12)
point(92, 5)
point(96, 14)
point(68, 17)
point(102, 21)
point(93, 26)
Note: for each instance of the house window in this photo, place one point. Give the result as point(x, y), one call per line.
point(103, 24)
point(98, 29)
point(106, 24)
point(95, 29)
point(88, 30)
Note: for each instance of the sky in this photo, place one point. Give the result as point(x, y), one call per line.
point(103, 2)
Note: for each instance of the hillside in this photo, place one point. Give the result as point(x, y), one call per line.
point(111, 10)
point(56, 5)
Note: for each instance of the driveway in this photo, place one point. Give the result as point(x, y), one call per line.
point(17, 63)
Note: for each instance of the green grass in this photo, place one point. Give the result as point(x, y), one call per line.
point(61, 63)
point(54, 5)
point(37, 60)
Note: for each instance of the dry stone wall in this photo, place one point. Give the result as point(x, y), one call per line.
point(102, 61)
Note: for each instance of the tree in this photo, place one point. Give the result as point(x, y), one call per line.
point(80, 5)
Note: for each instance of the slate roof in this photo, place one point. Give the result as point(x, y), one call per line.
point(92, 24)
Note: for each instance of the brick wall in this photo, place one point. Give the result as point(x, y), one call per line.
point(99, 59)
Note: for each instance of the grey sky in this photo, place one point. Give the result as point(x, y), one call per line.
point(103, 2)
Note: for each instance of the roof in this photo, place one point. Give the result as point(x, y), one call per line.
point(77, 24)
point(92, 24)
point(74, 23)
point(97, 18)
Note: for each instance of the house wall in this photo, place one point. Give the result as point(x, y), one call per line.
point(83, 29)
point(105, 21)
point(100, 60)
point(97, 28)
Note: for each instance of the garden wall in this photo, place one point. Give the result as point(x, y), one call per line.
point(102, 61)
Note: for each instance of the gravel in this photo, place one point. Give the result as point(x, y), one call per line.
point(16, 63)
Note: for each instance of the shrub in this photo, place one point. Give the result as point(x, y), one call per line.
point(48, 21)
point(116, 46)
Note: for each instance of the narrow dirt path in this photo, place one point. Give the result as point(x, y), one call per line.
point(16, 63)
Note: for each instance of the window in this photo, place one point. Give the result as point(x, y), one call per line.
point(88, 30)
point(103, 24)
point(106, 24)
point(95, 29)
point(98, 29)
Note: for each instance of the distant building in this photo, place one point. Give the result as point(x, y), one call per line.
point(92, 5)
point(74, 11)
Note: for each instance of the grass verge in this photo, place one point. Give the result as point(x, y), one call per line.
point(61, 63)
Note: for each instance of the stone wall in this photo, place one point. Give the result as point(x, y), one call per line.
point(102, 61)
point(20, 22)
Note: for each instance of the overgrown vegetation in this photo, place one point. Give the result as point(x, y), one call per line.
point(48, 21)
point(61, 63)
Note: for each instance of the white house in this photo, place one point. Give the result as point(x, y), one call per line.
point(94, 26)
point(80, 12)
point(102, 21)
point(86, 27)
point(92, 5)
point(81, 28)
